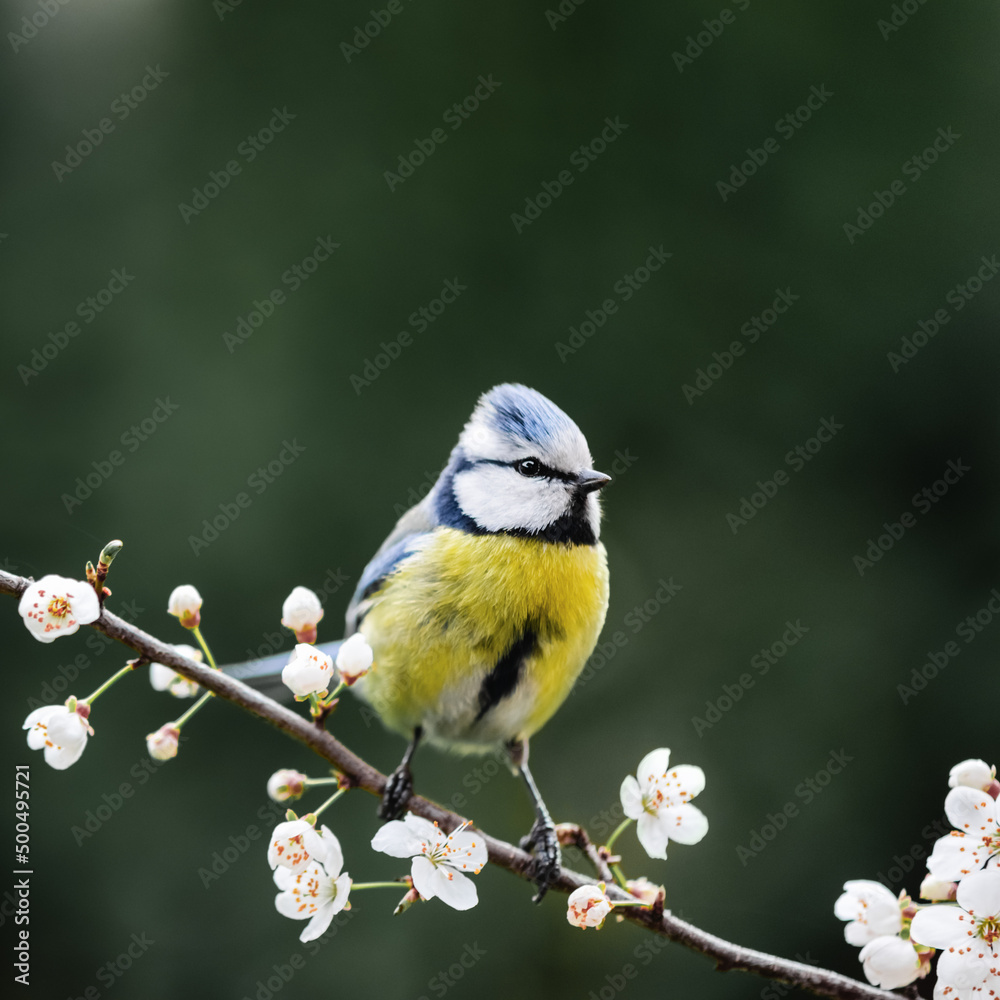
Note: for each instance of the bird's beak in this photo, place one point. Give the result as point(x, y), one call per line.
point(589, 480)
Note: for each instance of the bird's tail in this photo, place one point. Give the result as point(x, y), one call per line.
point(264, 673)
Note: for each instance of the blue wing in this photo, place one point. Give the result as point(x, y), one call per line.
point(416, 523)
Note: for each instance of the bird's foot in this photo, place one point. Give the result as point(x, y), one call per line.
point(543, 843)
point(398, 790)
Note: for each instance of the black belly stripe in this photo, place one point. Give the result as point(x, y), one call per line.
point(501, 681)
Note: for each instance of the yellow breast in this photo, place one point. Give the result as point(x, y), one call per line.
point(454, 608)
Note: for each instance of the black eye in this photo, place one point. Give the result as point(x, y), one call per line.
point(528, 466)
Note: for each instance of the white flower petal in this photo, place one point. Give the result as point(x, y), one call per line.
point(449, 886)
point(890, 962)
point(685, 825)
point(685, 780)
point(979, 893)
point(334, 859)
point(971, 811)
point(397, 840)
point(631, 797)
point(956, 856)
point(467, 851)
point(652, 835)
point(653, 765)
point(940, 926)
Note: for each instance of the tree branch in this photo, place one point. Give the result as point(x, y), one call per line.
point(727, 956)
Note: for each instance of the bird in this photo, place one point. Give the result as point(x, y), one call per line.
point(485, 601)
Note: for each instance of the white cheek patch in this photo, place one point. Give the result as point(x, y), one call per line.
point(498, 498)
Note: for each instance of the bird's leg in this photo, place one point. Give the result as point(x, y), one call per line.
point(399, 787)
point(541, 841)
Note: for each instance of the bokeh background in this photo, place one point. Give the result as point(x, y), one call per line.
point(202, 80)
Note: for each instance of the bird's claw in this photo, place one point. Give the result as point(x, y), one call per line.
point(543, 843)
point(398, 790)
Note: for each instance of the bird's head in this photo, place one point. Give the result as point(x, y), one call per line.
point(522, 466)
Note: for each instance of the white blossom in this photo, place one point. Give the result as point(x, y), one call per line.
point(309, 671)
point(975, 839)
point(659, 798)
point(441, 862)
point(968, 935)
point(873, 911)
point(61, 731)
point(164, 678)
point(56, 606)
point(295, 843)
point(317, 892)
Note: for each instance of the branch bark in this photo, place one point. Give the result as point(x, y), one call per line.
point(726, 955)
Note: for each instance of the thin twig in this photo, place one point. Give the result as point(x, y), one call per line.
point(727, 956)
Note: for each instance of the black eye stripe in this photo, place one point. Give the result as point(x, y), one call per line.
point(544, 471)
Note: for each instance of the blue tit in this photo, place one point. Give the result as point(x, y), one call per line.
point(485, 601)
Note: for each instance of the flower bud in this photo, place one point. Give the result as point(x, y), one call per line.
point(285, 785)
point(972, 773)
point(937, 888)
point(354, 659)
point(185, 604)
point(162, 745)
point(302, 612)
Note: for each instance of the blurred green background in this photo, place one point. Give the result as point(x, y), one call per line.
point(200, 83)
